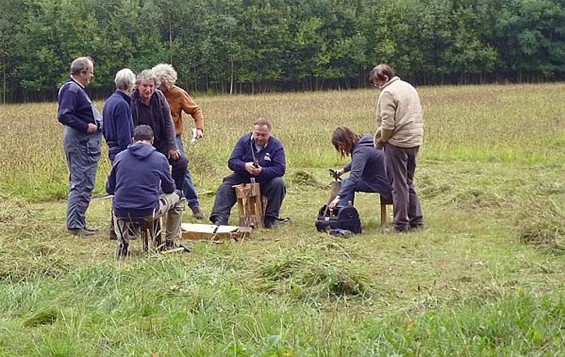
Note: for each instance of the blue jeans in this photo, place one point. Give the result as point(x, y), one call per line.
point(188, 186)
point(361, 186)
point(83, 153)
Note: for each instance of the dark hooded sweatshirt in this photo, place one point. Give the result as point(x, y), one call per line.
point(367, 164)
point(137, 177)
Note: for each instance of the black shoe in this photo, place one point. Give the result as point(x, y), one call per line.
point(81, 232)
point(219, 221)
point(416, 227)
point(271, 223)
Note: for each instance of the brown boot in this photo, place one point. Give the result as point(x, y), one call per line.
point(197, 212)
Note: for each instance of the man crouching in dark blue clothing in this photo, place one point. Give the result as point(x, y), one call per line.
point(136, 180)
point(366, 168)
point(260, 157)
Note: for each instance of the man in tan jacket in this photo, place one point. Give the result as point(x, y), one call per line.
point(180, 101)
point(400, 131)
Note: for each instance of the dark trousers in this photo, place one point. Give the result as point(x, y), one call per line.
point(400, 166)
point(188, 185)
point(274, 190)
point(178, 169)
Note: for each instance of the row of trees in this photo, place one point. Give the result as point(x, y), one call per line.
point(235, 46)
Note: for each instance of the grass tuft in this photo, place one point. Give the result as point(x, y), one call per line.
point(543, 226)
point(303, 178)
point(43, 317)
point(307, 277)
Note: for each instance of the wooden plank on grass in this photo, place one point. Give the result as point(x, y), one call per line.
point(193, 231)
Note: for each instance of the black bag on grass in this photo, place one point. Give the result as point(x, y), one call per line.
point(346, 218)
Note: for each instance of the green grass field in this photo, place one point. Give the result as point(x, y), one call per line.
point(485, 278)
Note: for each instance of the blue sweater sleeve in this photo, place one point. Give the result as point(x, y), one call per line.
point(69, 99)
point(358, 162)
point(111, 183)
point(124, 125)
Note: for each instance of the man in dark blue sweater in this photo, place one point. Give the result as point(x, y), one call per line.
point(117, 119)
point(118, 122)
point(367, 167)
point(257, 156)
point(81, 140)
point(136, 180)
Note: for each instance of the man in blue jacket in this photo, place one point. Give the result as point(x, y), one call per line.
point(81, 140)
point(117, 119)
point(366, 169)
point(136, 180)
point(258, 156)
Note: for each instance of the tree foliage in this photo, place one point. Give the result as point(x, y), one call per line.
point(234, 46)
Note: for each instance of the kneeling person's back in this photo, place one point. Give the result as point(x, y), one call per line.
point(138, 175)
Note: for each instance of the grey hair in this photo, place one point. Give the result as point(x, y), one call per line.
point(146, 75)
point(81, 64)
point(125, 79)
point(165, 73)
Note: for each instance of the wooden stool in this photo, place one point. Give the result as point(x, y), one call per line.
point(148, 228)
point(384, 215)
point(250, 204)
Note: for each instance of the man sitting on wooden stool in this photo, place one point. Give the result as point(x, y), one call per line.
point(138, 175)
point(257, 157)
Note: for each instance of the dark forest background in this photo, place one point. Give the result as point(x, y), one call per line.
point(254, 46)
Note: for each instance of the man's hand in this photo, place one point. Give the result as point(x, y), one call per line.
point(253, 171)
point(92, 128)
point(378, 140)
point(199, 134)
point(336, 174)
point(174, 154)
point(334, 203)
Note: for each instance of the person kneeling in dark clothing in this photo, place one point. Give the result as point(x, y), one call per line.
point(260, 157)
point(367, 167)
point(138, 175)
